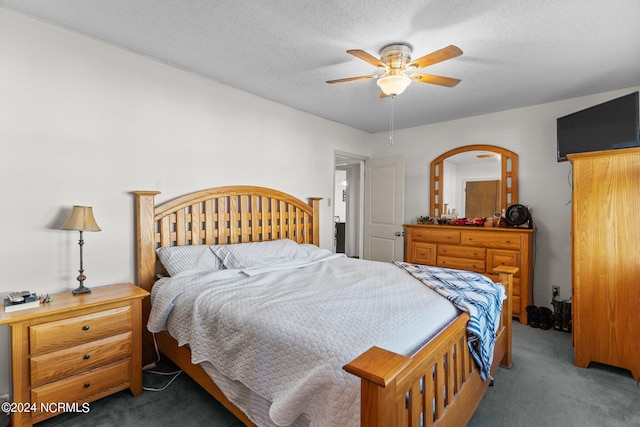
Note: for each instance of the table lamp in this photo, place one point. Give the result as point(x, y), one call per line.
point(81, 219)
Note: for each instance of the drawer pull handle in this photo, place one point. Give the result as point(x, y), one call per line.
point(508, 241)
point(85, 328)
point(86, 356)
point(87, 385)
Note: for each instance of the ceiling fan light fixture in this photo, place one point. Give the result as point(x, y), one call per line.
point(393, 84)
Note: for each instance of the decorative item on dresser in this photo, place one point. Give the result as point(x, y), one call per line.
point(479, 249)
point(438, 383)
point(75, 349)
point(606, 270)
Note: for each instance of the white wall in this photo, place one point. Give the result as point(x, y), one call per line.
point(82, 122)
point(544, 184)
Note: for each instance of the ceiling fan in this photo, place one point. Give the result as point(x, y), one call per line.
point(396, 61)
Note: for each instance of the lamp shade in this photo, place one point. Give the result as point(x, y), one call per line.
point(393, 84)
point(81, 219)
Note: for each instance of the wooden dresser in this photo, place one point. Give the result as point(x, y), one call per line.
point(606, 258)
point(74, 350)
point(479, 249)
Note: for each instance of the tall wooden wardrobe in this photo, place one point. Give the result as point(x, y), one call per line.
point(606, 258)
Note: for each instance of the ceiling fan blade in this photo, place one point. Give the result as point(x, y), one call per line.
point(436, 80)
point(365, 56)
point(352, 79)
point(443, 54)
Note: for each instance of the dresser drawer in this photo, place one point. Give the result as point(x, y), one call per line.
point(69, 361)
point(476, 265)
point(461, 252)
point(491, 239)
point(515, 289)
point(498, 258)
point(515, 306)
point(423, 253)
point(66, 332)
point(432, 235)
point(82, 387)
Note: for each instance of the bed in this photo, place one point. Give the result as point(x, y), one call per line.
point(438, 383)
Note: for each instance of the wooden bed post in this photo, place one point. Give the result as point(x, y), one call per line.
point(145, 263)
point(315, 205)
point(378, 370)
point(506, 278)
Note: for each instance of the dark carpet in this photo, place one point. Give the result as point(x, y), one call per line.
point(542, 389)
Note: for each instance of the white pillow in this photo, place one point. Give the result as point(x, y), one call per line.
point(259, 254)
point(192, 257)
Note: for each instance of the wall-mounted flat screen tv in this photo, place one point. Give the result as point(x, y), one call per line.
point(612, 124)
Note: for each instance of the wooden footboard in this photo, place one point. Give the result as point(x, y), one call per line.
point(438, 385)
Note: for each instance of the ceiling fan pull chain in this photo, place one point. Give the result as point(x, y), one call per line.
point(393, 100)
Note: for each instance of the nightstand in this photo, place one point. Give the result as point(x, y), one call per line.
point(74, 350)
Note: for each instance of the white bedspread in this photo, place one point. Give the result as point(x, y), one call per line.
point(286, 334)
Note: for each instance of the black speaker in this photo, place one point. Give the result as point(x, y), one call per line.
point(518, 216)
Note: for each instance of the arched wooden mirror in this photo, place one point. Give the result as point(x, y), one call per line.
point(475, 180)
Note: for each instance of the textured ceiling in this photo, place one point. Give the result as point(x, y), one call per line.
point(516, 52)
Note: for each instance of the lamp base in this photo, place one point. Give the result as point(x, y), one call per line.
point(81, 290)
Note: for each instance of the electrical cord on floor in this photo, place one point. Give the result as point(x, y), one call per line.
point(153, 364)
point(175, 375)
point(148, 369)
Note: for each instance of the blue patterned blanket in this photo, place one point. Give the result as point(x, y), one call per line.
point(473, 293)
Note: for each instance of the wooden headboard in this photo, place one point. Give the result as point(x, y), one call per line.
point(223, 215)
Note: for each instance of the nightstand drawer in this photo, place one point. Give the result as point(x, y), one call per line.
point(63, 363)
point(82, 387)
point(62, 333)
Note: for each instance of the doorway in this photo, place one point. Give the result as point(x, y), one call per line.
point(348, 203)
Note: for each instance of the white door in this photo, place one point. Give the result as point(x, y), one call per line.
point(384, 209)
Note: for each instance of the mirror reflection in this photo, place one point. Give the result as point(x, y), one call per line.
point(473, 181)
point(471, 184)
